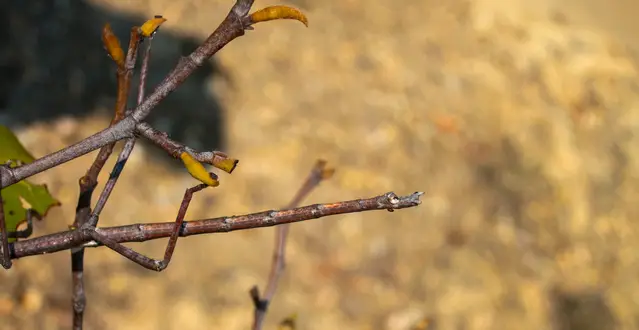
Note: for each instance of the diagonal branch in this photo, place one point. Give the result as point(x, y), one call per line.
point(150, 231)
point(231, 28)
point(130, 142)
point(119, 131)
point(175, 149)
point(124, 74)
point(261, 303)
point(140, 259)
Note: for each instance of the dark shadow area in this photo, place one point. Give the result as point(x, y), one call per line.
point(585, 310)
point(53, 64)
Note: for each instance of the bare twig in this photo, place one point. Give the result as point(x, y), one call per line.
point(124, 74)
point(174, 149)
point(144, 71)
point(89, 181)
point(150, 231)
point(140, 259)
point(261, 303)
point(128, 146)
point(129, 253)
point(77, 287)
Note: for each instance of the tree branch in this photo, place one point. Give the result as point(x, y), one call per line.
point(90, 179)
point(119, 131)
point(174, 149)
point(150, 231)
point(261, 303)
point(124, 74)
point(232, 27)
point(124, 155)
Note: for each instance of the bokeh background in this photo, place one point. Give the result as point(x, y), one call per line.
point(517, 119)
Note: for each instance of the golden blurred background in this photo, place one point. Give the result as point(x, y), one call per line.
point(516, 118)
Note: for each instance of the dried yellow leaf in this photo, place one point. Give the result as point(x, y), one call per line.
point(149, 27)
point(278, 12)
point(197, 170)
point(112, 45)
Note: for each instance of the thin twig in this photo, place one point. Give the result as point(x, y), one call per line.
point(5, 258)
point(24, 233)
point(149, 263)
point(144, 70)
point(124, 75)
point(113, 177)
point(140, 259)
point(174, 148)
point(77, 287)
point(261, 303)
point(145, 232)
point(124, 155)
point(90, 180)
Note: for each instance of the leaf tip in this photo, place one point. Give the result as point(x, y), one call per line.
point(151, 26)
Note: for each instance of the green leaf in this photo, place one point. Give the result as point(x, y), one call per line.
point(11, 148)
point(23, 195)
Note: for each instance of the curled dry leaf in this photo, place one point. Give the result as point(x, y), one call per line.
point(149, 27)
point(278, 12)
point(112, 45)
point(197, 170)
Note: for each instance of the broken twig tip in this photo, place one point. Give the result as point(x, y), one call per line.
point(415, 197)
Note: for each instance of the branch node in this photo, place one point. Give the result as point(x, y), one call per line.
point(259, 303)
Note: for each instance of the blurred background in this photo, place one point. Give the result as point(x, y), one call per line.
point(517, 118)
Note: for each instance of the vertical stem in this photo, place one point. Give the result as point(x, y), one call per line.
point(79, 296)
point(319, 173)
point(90, 180)
point(124, 155)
